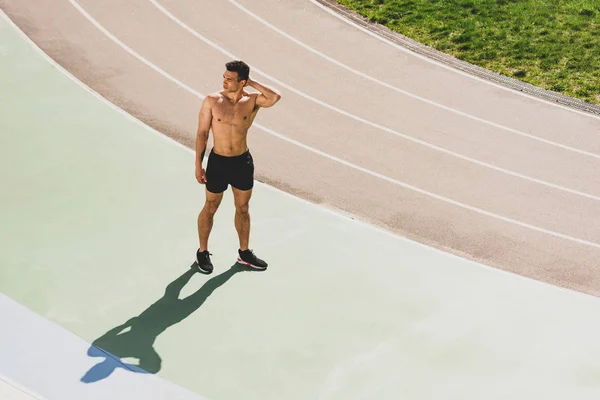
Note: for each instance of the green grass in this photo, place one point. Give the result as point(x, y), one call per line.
point(553, 44)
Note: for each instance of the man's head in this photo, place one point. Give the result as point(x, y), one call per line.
point(236, 75)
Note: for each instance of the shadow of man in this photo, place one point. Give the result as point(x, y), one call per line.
point(135, 338)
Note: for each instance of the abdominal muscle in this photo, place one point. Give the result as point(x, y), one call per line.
point(229, 139)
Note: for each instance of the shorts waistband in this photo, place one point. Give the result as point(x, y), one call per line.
point(244, 154)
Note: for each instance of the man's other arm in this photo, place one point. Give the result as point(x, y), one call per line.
point(268, 96)
point(204, 122)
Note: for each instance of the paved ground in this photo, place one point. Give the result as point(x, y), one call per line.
point(430, 153)
point(100, 214)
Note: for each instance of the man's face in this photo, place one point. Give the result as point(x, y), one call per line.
point(230, 81)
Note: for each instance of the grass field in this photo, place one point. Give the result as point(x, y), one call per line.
point(553, 44)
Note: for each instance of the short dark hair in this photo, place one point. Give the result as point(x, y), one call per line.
point(242, 69)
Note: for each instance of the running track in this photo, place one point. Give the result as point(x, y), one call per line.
point(364, 127)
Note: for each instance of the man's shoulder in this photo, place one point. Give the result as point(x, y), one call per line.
point(211, 99)
point(214, 96)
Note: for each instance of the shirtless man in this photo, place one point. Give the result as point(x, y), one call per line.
point(230, 114)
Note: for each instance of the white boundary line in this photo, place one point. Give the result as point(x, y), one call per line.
point(330, 157)
point(20, 387)
point(353, 218)
point(440, 64)
point(409, 94)
point(386, 129)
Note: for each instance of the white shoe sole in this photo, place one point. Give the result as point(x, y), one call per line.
point(202, 271)
point(239, 260)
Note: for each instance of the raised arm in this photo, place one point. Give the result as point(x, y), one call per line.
point(204, 123)
point(267, 97)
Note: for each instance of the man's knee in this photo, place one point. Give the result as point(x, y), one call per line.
point(242, 208)
point(211, 206)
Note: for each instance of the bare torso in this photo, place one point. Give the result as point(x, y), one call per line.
point(231, 121)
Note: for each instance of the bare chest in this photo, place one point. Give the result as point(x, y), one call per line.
point(225, 112)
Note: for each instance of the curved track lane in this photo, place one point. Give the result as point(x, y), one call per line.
point(381, 133)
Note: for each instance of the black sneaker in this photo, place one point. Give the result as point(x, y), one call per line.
point(203, 260)
point(248, 258)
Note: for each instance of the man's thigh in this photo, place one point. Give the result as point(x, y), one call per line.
point(241, 198)
point(213, 198)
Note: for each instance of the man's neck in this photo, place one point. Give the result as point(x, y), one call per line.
point(235, 96)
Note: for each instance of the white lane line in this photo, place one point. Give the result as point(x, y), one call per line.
point(409, 94)
point(330, 157)
point(440, 64)
point(375, 125)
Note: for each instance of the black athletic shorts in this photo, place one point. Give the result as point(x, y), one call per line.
point(237, 171)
